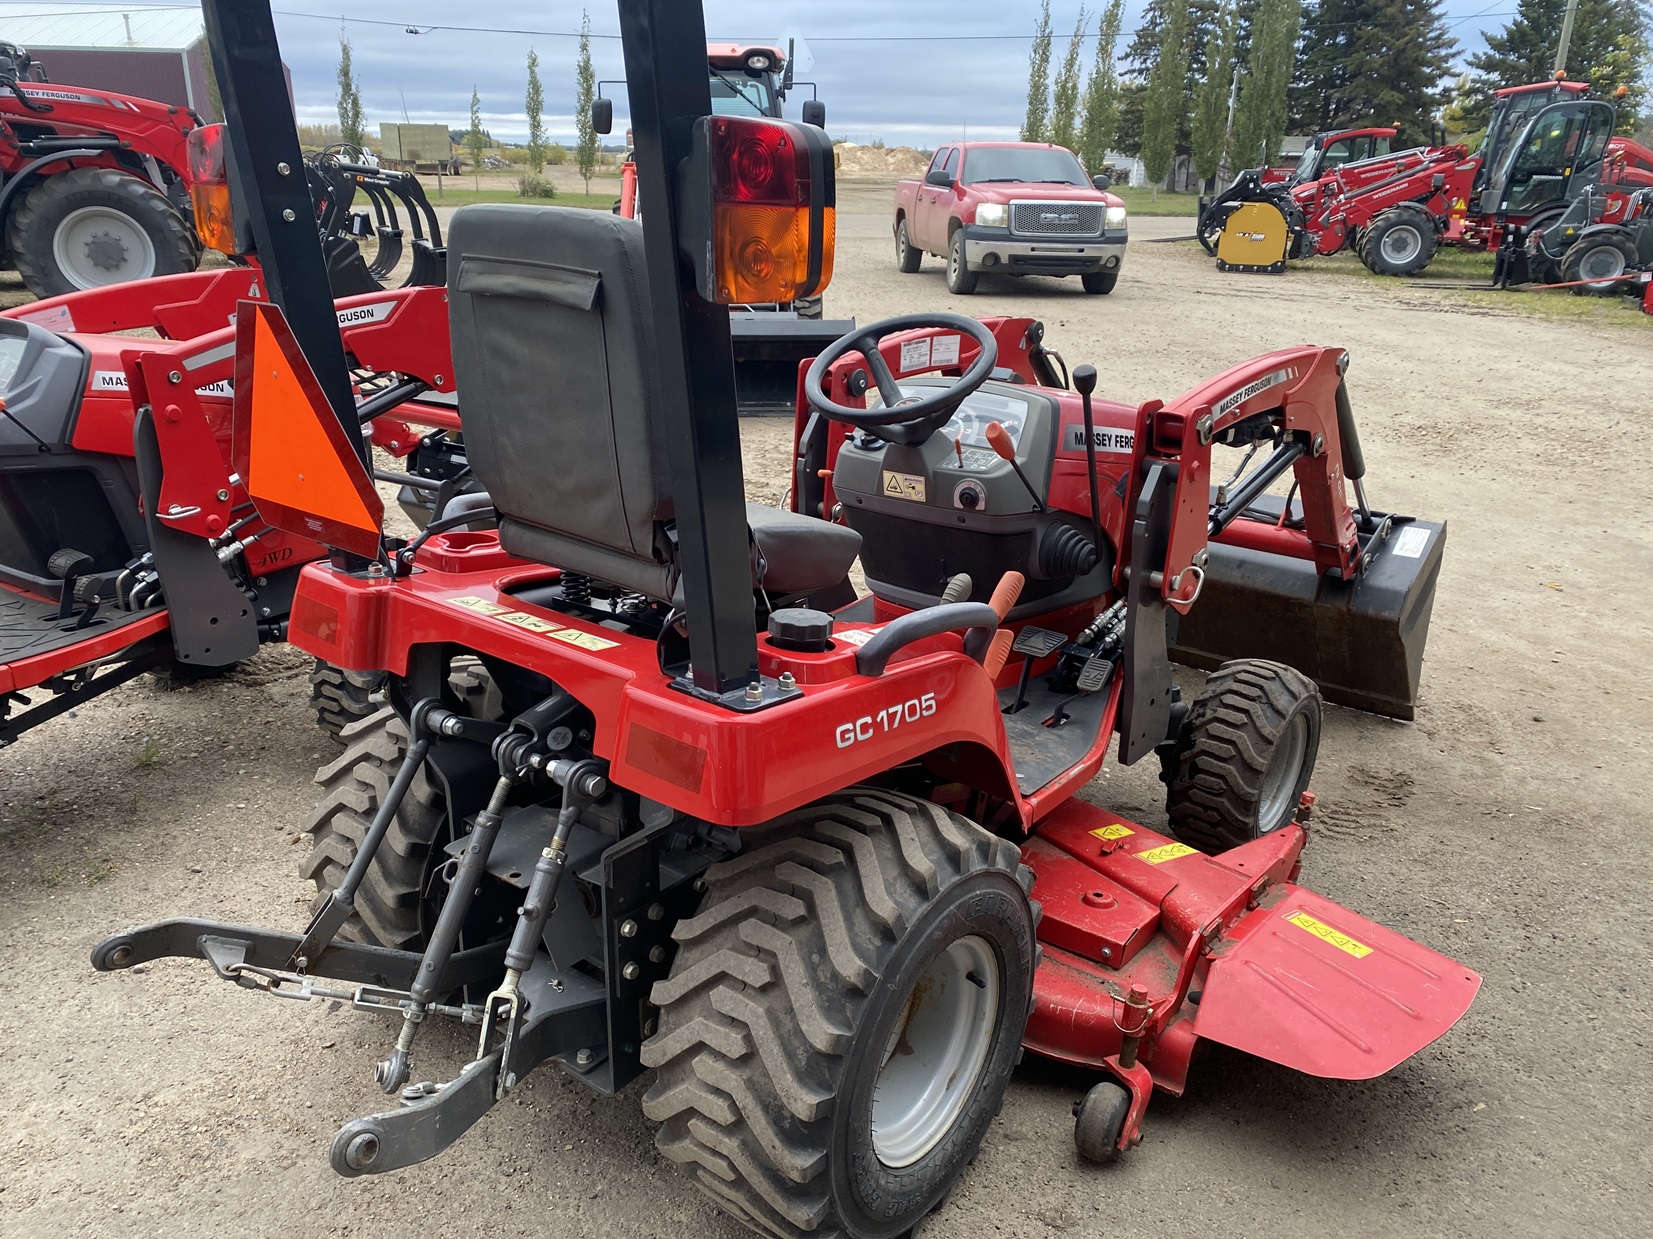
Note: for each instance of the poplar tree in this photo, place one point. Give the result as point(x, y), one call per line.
point(1064, 100)
point(585, 90)
point(1100, 125)
point(1209, 132)
point(476, 141)
point(350, 99)
point(1166, 100)
point(1260, 117)
point(1038, 80)
point(534, 105)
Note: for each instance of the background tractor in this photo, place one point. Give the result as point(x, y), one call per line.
point(725, 819)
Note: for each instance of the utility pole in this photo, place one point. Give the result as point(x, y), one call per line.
point(1566, 37)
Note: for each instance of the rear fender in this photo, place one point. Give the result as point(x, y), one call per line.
point(1306, 983)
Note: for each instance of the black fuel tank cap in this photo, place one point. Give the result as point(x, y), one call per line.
point(801, 629)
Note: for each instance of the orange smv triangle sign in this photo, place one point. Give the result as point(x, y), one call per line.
point(301, 471)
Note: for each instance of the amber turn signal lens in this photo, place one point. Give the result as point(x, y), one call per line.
point(209, 189)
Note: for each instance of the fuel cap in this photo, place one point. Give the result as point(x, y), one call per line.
point(801, 629)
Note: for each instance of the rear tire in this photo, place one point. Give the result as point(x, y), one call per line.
point(1599, 258)
point(388, 903)
point(1246, 755)
point(1100, 283)
point(843, 1015)
point(907, 256)
point(961, 281)
point(91, 227)
point(1399, 242)
point(342, 697)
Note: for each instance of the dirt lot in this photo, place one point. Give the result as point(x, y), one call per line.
point(1507, 826)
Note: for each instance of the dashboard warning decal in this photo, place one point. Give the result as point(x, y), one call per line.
point(908, 486)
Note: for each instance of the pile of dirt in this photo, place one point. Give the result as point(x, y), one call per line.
point(880, 160)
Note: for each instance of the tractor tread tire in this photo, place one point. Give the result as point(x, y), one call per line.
point(1232, 726)
point(342, 697)
point(353, 785)
point(1572, 263)
point(1371, 248)
point(774, 976)
point(35, 221)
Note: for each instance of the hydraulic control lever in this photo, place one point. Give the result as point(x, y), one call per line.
point(998, 438)
point(1084, 382)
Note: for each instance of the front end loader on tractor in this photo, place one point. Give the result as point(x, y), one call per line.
point(728, 821)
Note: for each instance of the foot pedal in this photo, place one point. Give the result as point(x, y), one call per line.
point(1038, 642)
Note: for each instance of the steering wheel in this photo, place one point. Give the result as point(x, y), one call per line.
point(902, 419)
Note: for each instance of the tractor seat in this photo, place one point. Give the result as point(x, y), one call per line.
point(552, 345)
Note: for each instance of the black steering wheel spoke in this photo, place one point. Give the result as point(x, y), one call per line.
point(909, 419)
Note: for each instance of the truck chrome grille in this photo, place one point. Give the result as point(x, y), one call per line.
point(1056, 219)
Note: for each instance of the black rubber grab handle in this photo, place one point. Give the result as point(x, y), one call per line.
point(875, 655)
point(1354, 463)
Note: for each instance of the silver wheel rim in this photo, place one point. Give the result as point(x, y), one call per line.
point(1275, 806)
point(937, 1052)
point(954, 253)
point(901, 241)
point(97, 246)
point(1602, 263)
point(1401, 245)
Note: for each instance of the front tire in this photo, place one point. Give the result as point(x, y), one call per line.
point(908, 257)
point(1399, 242)
point(1595, 261)
point(961, 281)
point(1246, 755)
point(1099, 283)
point(843, 1015)
point(92, 227)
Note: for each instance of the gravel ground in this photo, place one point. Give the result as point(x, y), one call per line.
point(1506, 827)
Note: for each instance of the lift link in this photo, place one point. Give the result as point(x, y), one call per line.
point(583, 782)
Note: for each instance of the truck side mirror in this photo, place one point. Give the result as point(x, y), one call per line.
point(939, 177)
point(814, 112)
point(1101, 181)
point(602, 114)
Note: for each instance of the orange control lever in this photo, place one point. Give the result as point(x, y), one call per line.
point(1006, 592)
point(1004, 597)
point(998, 438)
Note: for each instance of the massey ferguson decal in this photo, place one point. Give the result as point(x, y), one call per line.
point(1228, 403)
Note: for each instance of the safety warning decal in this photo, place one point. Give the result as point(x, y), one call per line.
point(1410, 542)
point(532, 623)
point(58, 318)
point(915, 355)
point(1165, 852)
point(1116, 831)
point(855, 636)
point(585, 640)
point(1326, 933)
point(480, 605)
point(908, 486)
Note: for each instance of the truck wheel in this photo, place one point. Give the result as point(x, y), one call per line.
point(1598, 260)
point(1099, 282)
point(1246, 754)
point(907, 257)
point(389, 903)
point(960, 279)
point(843, 1015)
point(91, 227)
point(1399, 243)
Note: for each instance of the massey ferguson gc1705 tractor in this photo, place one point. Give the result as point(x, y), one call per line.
point(94, 186)
point(818, 861)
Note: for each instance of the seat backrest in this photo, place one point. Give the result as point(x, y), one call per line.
point(552, 351)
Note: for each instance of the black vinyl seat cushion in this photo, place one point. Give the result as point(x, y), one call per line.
point(800, 554)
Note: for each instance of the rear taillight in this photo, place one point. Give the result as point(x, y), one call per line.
point(763, 231)
point(209, 189)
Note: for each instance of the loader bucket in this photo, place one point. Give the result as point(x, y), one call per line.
point(768, 347)
point(1361, 641)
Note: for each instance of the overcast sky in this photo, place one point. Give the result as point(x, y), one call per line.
point(902, 72)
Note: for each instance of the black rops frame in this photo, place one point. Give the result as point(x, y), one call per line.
point(269, 184)
point(665, 50)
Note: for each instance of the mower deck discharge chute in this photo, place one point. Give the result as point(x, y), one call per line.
point(725, 820)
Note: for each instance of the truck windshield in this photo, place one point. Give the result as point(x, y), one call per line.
point(1020, 163)
point(735, 94)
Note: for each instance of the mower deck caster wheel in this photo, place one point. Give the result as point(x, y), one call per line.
point(1098, 1120)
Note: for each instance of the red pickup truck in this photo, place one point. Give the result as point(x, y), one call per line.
point(1015, 208)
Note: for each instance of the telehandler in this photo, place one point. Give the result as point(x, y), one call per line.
point(817, 860)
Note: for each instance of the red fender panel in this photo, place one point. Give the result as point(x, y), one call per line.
point(1309, 984)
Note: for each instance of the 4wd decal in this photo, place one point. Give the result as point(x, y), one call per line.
point(1234, 401)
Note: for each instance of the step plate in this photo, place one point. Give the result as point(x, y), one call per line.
point(31, 634)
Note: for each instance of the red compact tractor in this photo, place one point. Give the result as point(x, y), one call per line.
point(786, 846)
point(1544, 143)
point(95, 184)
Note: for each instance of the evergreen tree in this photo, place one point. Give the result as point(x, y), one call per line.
point(350, 99)
point(1166, 101)
point(476, 139)
point(534, 105)
point(1142, 54)
point(1260, 117)
point(1100, 126)
point(1038, 80)
point(1379, 62)
point(585, 90)
point(1208, 132)
point(1064, 98)
point(1608, 49)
